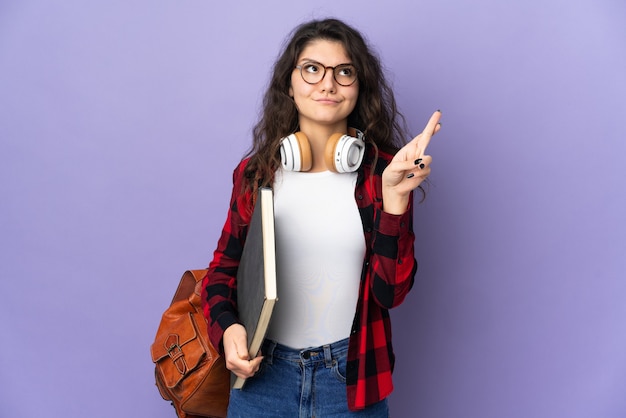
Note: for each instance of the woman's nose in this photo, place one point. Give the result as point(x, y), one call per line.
point(328, 81)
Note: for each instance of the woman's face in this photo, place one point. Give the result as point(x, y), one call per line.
point(326, 103)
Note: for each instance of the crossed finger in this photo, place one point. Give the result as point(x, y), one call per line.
point(424, 138)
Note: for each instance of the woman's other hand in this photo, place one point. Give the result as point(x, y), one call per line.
point(236, 352)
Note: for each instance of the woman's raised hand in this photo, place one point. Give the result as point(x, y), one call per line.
point(408, 169)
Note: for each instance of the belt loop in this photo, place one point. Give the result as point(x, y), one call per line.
point(328, 359)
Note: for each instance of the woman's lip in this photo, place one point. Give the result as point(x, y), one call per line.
point(327, 101)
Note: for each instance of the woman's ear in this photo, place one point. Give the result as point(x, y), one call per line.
point(290, 92)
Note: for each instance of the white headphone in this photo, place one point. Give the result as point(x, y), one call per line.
point(343, 153)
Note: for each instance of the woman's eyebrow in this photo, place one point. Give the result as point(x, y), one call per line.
point(304, 59)
point(308, 60)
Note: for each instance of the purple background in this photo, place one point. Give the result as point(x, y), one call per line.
point(121, 122)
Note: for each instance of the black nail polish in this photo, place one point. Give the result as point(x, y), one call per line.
point(422, 166)
point(419, 160)
point(410, 176)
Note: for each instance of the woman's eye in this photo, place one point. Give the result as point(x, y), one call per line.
point(345, 71)
point(311, 68)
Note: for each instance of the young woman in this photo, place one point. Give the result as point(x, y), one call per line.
point(328, 144)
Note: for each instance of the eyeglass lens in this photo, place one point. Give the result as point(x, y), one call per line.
point(314, 72)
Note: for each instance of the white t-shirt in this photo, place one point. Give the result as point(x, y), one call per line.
point(320, 248)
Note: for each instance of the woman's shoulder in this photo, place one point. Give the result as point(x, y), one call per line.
point(241, 199)
point(385, 156)
point(240, 170)
point(241, 166)
point(377, 158)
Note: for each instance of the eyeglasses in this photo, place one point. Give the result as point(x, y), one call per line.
point(313, 72)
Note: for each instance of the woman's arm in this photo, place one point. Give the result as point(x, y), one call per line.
point(392, 260)
point(220, 285)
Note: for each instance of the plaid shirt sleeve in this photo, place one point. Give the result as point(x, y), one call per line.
point(388, 274)
point(219, 287)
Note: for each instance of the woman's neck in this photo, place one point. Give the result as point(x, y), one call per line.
point(318, 136)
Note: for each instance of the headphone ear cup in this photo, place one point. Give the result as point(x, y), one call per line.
point(295, 152)
point(344, 153)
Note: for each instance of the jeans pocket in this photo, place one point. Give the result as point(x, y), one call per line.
point(259, 374)
point(262, 367)
point(338, 368)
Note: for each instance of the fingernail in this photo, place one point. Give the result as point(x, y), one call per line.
point(419, 160)
point(439, 110)
point(422, 166)
point(439, 123)
point(410, 176)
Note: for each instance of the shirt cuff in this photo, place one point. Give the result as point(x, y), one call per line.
point(394, 225)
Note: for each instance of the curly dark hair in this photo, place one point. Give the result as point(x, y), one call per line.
point(375, 113)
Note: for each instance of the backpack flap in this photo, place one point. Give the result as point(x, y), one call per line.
point(177, 349)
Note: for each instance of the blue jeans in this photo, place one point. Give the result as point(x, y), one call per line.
point(293, 383)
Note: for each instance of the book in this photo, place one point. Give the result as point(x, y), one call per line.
point(256, 275)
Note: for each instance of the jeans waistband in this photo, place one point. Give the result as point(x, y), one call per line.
point(325, 353)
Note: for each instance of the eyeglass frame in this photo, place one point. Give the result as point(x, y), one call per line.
point(326, 67)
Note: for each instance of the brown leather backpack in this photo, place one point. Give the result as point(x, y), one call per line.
point(189, 371)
